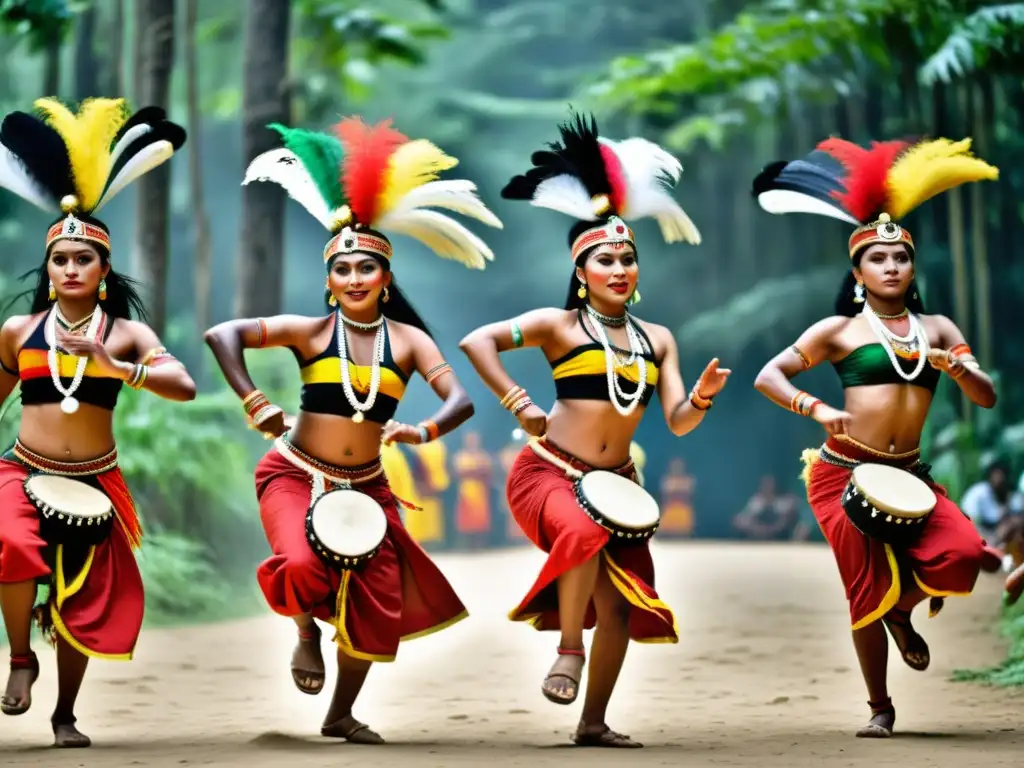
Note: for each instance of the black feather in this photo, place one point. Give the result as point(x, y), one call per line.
point(810, 177)
point(162, 131)
point(42, 151)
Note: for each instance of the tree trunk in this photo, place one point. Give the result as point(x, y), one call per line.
point(200, 221)
point(86, 63)
point(984, 118)
point(958, 254)
point(51, 68)
point(265, 99)
point(115, 64)
point(154, 46)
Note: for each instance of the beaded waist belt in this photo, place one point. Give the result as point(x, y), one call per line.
point(832, 452)
point(321, 472)
point(50, 466)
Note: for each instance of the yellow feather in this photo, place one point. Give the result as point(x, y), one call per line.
point(410, 166)
point(809, 457)
point(930, 168)
point(88, 136)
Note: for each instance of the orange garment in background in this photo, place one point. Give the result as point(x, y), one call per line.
point(508, 457)
point(429, 463)
point(677, 504)
point(473, 507)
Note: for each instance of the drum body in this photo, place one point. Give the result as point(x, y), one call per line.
point(888, 503)
point(618, 505)
point(70, 511)
point(346, 528)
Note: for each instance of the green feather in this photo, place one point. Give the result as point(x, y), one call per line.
point(321, 154)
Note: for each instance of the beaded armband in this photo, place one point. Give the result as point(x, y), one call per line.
point(261, 332)
point(803, 358)
point(437, 372)
point(157, 356)
point(517, 334)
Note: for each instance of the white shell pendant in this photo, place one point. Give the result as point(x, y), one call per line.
point(358, 417)
point(69, 405)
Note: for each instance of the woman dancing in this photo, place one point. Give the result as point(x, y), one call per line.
point(889, 356)
point(355, 364)
point(606, 365)
point(71, 354)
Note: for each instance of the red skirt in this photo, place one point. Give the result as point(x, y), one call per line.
point(397, 595)
point(542, 501)
point(944, 561)
point(98, 606)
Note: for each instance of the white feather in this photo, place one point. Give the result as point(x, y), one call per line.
point(283, 167)
point(155, 154)
point(15, 177)
point(786, 201)
point(458, 195)
point(125, 141)
point(565, 194)
point(445, 236)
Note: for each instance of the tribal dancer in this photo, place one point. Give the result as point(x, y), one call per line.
point(606, 365)
point(355, 364)
point(70, 356)
point(889, 356)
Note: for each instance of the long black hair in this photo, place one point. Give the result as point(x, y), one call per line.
point(397, 307)
point(847, 307)
point(573, 300)
point(123, 299)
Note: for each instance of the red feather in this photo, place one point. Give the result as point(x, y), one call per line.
point(616, 178)
point(867, 193)
point(367, 151)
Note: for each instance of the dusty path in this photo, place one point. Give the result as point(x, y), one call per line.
point(765, 675)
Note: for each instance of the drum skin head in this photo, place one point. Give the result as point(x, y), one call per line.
point(66, 493)
point(348, 522)
point(620, 499)
point(894, 490)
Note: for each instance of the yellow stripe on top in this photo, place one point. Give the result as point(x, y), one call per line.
point(327, 371)
point(591, 362)
point(33, 362)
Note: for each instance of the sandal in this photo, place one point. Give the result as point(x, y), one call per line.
point(914, 644)
point(875, 730)
point(571, 691)
point(605, 738)
point(352, 731)
point(29, 661)
point(300, 676)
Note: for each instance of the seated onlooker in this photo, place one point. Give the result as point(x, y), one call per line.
point(997, 510)
point(768, 516)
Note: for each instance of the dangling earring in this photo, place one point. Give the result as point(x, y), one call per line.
point(582, 292)
point(858, 294)
point(387, 296)
point(331, 300)
point(53, 293)
point(634, 299)
point(103, 289)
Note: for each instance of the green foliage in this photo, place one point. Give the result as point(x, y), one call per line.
point(1010, 672)
point(987, 39)
point(38, 21)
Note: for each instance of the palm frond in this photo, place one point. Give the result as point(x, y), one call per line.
point(974, 41)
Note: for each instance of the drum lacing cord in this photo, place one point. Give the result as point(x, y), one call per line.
point(545, 454)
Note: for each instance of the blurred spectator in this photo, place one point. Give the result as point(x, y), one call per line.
point(677, 500)
point(996, 510)
point(769, 515)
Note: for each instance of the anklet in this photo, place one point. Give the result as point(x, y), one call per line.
point(571, 652)
point(878, 707)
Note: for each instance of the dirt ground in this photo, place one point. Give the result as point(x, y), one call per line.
point(765, 675)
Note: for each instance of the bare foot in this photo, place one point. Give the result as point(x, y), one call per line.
point(1014, 586)
point(601, 735)
point(17, 699)
point(562, 684)
point(912, 646)
point(308, 662)
point(350, 729)
point(881, 724)
point(67, 736)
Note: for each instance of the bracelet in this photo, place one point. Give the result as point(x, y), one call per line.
point(512, 394)
point(428, 431)
point(517, 334)
point(139, 375)
point(803, 403)
point(436, 372)
point(520, 405)
point(254, 402)
point(700, 403)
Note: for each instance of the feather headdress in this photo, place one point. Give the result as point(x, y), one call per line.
point(365, 180)
point(869, 188)
point(598, 180)
point(75, 163)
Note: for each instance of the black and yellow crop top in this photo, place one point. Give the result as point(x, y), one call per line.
point(870, 364)
point(581, 374)
point(37, 385)
point(322, 391)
